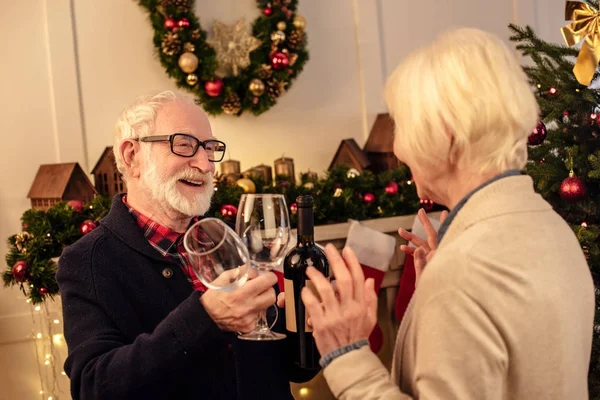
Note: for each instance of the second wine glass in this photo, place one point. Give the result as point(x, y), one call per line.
point(263, 224)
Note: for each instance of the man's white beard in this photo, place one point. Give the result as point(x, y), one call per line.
point(163, 189)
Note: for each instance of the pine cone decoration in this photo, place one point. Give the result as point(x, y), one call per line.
point(264, 71)
point(171, 44)
point(196, 34)
point(232, 104)
point(275, 88)
point(182, 5)
point(295, 39)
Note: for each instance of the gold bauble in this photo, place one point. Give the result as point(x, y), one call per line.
point(189, 47)
point(277, 36)
point(188, 62)
point(299, 22)
point(257, 87)
point(247, 185)
point(281, 25)
point(191, 79)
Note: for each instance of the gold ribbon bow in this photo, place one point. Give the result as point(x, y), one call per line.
point(585, 26)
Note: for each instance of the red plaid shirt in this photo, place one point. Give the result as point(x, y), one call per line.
point(168, 243)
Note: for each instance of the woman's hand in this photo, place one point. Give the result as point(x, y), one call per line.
point(348, 317)
point(424, 248)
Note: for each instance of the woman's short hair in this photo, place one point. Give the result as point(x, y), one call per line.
point(469, 86)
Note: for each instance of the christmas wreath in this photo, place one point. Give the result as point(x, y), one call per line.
point(232, 71)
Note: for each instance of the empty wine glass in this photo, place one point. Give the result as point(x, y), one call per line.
point(263, 224)
point(216, 254)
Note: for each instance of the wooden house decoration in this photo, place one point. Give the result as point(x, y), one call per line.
point(59, 182)
point(350, 154)
point(379, 148)
point(107, 178)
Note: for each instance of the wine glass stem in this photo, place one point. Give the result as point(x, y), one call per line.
point(261, 323)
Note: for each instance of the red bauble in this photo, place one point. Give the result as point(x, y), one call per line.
point(538, 135)
point(427, 204)
point(229, 210)
point(552, 90)
point(170, 23)
point(279, 61)
point(19, 271)
point(572, 189)
point(87, 226)
point(391, 188)
point(255, 100)
point(76, 205)
point(183, 23)
point(213, 88)
point(43, 290)
point(294, 208)
point(268, 11)
point(369, 198)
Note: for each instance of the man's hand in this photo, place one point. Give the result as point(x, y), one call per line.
point(237, 311)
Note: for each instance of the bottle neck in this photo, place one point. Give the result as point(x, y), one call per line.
point(306, 227)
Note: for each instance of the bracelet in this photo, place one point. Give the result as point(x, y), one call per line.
point(332, 355)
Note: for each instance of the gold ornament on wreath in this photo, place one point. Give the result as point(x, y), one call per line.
point(229, 67)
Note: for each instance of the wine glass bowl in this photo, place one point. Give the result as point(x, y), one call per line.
point(216, 254)
point(263, 225)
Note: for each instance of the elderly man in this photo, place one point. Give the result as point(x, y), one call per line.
point(138, 323)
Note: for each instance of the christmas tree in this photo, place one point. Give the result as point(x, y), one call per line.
point(564, 151)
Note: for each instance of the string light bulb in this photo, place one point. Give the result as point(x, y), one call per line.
point(37, 308)
point(56, 321)
point(39, 336)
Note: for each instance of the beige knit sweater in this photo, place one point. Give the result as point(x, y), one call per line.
point(504, 310)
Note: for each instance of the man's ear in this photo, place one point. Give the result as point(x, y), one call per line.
point(130, 154)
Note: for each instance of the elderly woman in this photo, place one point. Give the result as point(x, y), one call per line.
point(505, 307)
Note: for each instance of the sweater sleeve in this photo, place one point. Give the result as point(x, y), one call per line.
point(460, 354)
point(101, 364)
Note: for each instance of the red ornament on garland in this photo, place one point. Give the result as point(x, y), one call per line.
point(369, 198)
point(76, 205)
point(169, 23)
point(572, 189)
point(213, 88)
point(268, 11)
point(43, 291)
point(427, 204)
point(392, 188)
point(183, 23)
point(552, 90)
point(19, 271)
point(279, 61)
point(538, 135)
point(87, 226)
point(229, 210)
point(294, 208)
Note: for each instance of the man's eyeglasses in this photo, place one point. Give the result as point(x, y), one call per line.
point(187, 145)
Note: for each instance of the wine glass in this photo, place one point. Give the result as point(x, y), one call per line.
point(263, 224)
point(216, 254)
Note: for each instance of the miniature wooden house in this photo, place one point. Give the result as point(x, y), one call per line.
point(59, 182)
point(107, 178)
point(379, 148)
point(350, 154)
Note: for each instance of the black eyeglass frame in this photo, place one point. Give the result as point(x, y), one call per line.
point(171, 140)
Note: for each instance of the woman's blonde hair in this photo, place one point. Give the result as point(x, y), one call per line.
point(469, 86)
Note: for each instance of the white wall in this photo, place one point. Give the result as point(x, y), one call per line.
point(70, 66)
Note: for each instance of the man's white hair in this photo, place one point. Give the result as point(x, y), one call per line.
point(138, 119)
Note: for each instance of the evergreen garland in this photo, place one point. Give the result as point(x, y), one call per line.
point(338, 197)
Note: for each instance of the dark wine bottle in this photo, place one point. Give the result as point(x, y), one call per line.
point(303, 353)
